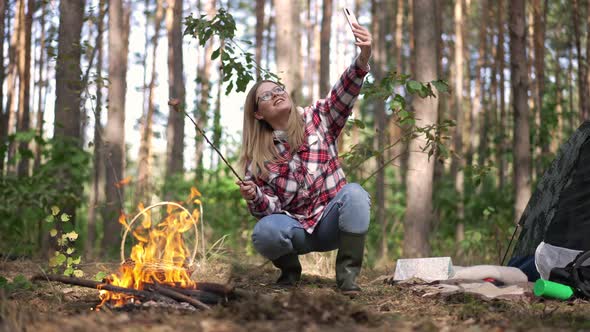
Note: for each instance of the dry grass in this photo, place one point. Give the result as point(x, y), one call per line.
point(319, 264)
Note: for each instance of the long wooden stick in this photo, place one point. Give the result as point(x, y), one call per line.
point(219, 289)
point(175, 104)
point(203, 296)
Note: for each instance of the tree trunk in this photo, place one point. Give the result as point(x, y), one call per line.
point(467, 89)
point(492, 114)
point(43, 239)
point(175, 128)
point(570, 77)
point(406, 66)
point(216, 139)
point(144, 85)
point(418, 217)
point(325, 35)
point(309, 73)
point(411, 37)
point(540, 15)
point(24, 91)
point(557, 133)
point(42, 89)
point(145, 148)
point(98, 170)
point(399, 30)
point(269, 29)
point(114, 135)
point(532, 99)
point(477, 108)
point(394, 132)
point(288, 46)
point(458, 163)
point(201, 114)
point(503, 123)
point(141, 184)
point(316, 53)
point(582, 67)
point(259, 35)
point(3, 117)
point(519, 82)
point(377, 28)
point(486, 91)
point(68, 89)
point(443, 110)
point(11, 97)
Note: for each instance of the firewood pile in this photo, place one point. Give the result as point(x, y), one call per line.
point(201, 296)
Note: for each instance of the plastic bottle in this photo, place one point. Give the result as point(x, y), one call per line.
point(552, 289)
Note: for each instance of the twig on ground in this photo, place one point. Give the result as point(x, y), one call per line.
point(178, 296)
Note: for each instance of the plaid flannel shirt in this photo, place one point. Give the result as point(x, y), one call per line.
point(308, 180)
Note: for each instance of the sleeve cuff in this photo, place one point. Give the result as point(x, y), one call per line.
point(257, 200)
point(361, 68)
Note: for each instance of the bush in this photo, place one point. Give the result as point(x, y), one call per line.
point(26, 201)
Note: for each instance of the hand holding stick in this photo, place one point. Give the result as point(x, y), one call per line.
point(175, 104)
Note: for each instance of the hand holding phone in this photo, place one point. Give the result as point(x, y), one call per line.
point(362, 36)
point(351, 19)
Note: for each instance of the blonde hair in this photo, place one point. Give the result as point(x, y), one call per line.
point(257, 135)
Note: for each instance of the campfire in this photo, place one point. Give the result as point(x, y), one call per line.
point(160, 256)
point(160, 265)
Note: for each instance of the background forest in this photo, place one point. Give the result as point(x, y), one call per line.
point(85, 124)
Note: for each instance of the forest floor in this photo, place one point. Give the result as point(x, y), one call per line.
point(315, 305)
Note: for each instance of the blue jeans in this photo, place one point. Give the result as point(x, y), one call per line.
point(277, 235)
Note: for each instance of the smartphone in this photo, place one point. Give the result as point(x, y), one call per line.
point(350, 18)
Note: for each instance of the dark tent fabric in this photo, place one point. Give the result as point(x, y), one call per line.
point(566, 178)
point(570, 227)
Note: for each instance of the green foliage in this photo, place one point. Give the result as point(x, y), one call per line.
point(488, 217)
point(25, 200)
point(63, 261)
point(20, 282)
point(237, 63)
point(436, 135)
point(395, 208)
point(386, 88)
point(99, 276)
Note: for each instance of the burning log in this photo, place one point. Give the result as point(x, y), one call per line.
point(171, 293)
point(205, 296)
point(157, 292)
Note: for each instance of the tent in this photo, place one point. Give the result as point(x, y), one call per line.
point(555, 225)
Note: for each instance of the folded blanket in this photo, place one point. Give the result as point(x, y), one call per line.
point(484, 289)
point(506, 274)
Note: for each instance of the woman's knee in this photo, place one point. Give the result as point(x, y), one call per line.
point(355, 215)
point(357, 194)
point(263, 236)
point(269, 239)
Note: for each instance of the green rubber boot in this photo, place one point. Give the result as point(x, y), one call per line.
point(290, 269)
point(349, 261)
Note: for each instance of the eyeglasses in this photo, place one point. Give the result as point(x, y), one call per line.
point(267, 95)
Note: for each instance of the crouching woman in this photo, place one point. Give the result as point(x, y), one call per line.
point(294, 183)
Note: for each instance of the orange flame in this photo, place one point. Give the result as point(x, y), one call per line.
point(123, 182)
point(160, 255)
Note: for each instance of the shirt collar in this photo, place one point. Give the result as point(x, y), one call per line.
point(280, 135)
